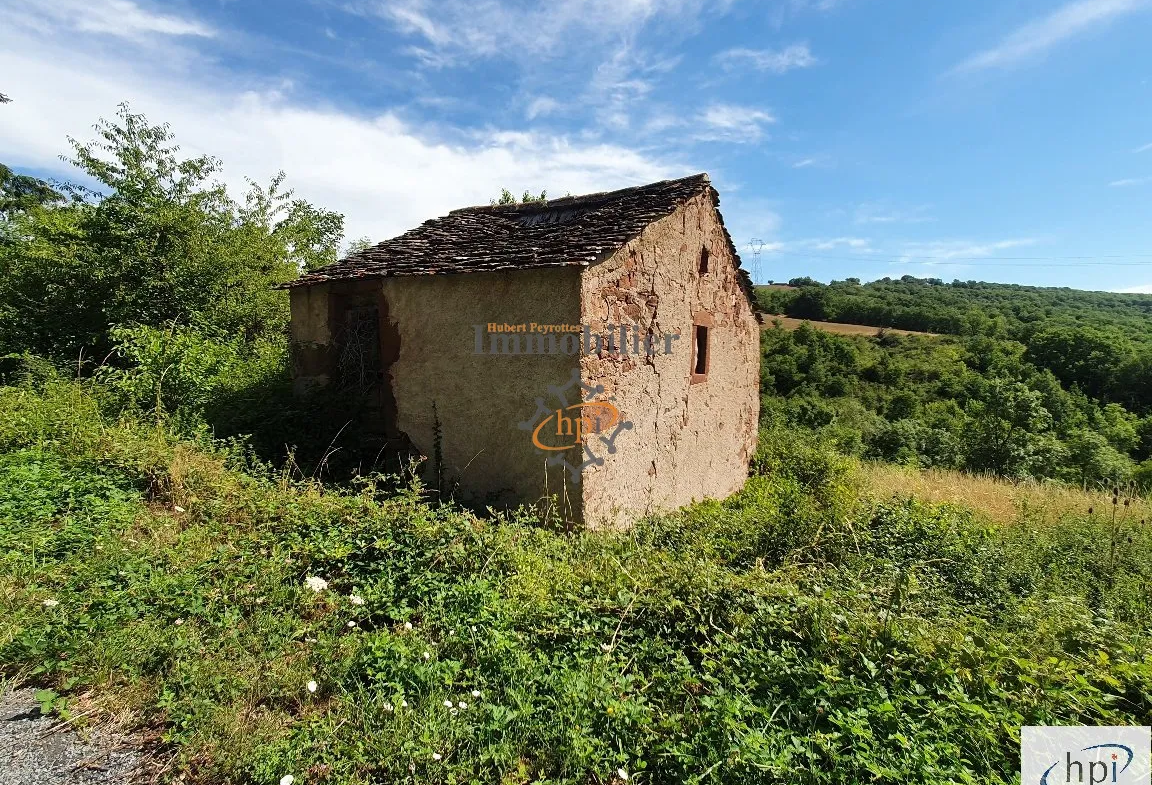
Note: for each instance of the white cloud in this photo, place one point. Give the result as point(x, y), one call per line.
point(119, 18)
point(540, 106)
point(731, 123)
point(1129, 181)
point(770, 60)
point(1145, 289)
point(1042, 34)
point(805, 163)
point(1143, 148)
point(386, 175)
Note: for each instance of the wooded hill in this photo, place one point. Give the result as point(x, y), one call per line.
point(1027, 381)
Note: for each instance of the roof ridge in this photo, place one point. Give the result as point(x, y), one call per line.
point(579, 199)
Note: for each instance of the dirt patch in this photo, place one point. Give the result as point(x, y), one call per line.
point(839, 328)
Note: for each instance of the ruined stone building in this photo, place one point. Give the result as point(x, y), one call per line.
point(597, 351)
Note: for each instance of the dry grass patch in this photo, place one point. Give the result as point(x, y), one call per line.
point(839, 328)
point(1001, 500)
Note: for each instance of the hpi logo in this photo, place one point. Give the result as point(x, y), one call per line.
point(558, 428)
point(1051, 755)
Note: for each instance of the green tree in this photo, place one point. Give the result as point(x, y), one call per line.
point(21, 192)
point(1091, 459)
point(162, 242)
point(1081, 356)
point(1004, 429)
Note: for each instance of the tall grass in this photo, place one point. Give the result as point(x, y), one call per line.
point(1003, 500)
point(799, 632)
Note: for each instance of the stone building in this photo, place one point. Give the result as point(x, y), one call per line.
point(598, 354)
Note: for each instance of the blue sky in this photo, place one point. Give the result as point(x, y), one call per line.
point(1006, 140)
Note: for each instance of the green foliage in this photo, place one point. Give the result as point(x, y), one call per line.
point(972, 403)
point(1099, 342)
point(20, 193)
point(507, 197)
point(165, 243)
point(798, 632)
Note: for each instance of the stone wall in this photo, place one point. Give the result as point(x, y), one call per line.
point(692, 435)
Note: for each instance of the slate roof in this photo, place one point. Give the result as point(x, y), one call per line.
point(572, 230)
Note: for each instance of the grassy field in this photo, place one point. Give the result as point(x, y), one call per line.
point(1001, 500)
point(805, 631)
point(789, 323)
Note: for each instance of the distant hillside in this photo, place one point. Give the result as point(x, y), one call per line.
point(1097, 342)
point(960, 307)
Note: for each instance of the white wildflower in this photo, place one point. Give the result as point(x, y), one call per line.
point(51, 603)
point(462, 705)
point(473, 628)
point(448, 704)
point(427, 656)
point(315, 583)
point(389, 708)
point(178, 508)
point(287, 779)
point(475, 693)
point(355, 599)
point(351, 624)
point(437, 756)
point(454, 712)
point(407, 625)
point(178, 622)
point(622, 774)
point(403, 704)
point(313, 686)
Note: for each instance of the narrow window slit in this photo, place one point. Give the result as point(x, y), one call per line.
point(701, 351)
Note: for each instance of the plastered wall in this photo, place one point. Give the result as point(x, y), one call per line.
point(690, 440)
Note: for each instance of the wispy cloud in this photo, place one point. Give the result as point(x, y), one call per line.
point(119, 18)
point(1040, 35)
point(1143, 148)
point(1130, 181)
point(871, 213)
point(464, 29)
point(944, 250)
point(1145, 289)
point(540, 106)
point(731, 123)
point(831, 243)
point(804, 163)
point(776, 61)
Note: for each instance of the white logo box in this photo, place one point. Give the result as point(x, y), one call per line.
point(1092, 755)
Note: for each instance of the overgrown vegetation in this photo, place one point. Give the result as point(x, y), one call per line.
point(168, 555)
point(798, 632)
point(986, 403)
